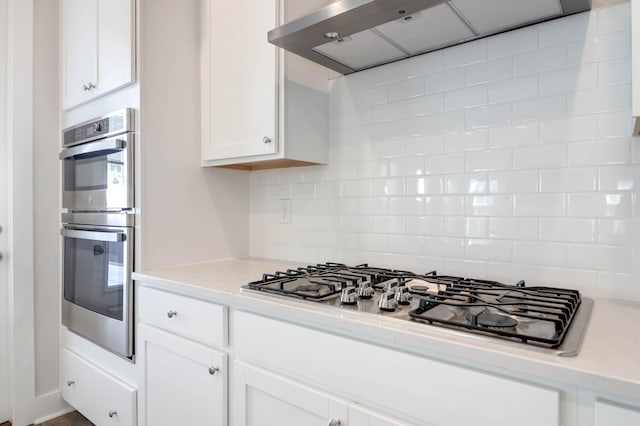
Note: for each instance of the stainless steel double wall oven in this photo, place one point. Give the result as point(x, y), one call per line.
point(98, 222)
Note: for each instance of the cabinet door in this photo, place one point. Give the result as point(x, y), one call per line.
point(182, 382)
point(116, 48)
point(266, 399)
point(361, 416)
point(240, 79)
point(608, 414)
point(79, 38)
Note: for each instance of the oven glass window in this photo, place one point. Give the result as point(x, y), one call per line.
point(94, 275)
point(95, 172)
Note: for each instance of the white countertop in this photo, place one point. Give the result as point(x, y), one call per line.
point(608, 362)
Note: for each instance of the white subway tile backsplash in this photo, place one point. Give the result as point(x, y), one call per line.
point(466, 54)
point(619, 232)
point(443, 122)
point(488, 116)
point(460, 226)
point(543, 108)
point(520, 181)
point(405, 89)
point(540, 205)
point(425, 185)
point(513, 90)
point(540, 157)
point(496, 159)
point(601, 99)
point(602, 152)
point(443, 164)
point(485, 249)
point(569, 180)
point(390, 111)
point(489, 205)
point(513, 43)
point(445, 205)
point(569, 80)
point(509, 157)
point(619, 178)
point(614, 72)
point(466, 141)
point(540, 253)
point(540, 61)
point(572, 230)
point(599, 205)
point(569, 129)
point(490, 71)
point(562, 31)
point(424, 225)
point(470, 183)
point(431, 143)
point(424, 105)
point(445, 81)
point(521, 134)
point(513, 228)
point(465, 98)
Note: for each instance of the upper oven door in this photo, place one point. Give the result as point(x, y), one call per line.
point(98, 176)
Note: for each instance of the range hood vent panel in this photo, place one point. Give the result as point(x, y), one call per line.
point(438, 24)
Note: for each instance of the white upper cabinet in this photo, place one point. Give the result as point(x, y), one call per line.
point(261, 107)
point(97, 48)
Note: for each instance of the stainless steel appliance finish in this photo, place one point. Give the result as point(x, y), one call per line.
point(353, 35)
point(97, 298)
point(550, 320)
point(98, 228)
point(98, 163)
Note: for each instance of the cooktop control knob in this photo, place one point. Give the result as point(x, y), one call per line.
point(403, 297)
point(391, 285)
point(388, 302)
point(349, 296)
point(365, 291)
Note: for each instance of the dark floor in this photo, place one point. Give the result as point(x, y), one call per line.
point(70, 419)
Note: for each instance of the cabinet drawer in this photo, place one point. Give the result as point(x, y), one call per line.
point(196, 319)
point(99, 396)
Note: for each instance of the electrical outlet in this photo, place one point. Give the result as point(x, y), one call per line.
point(285, 211)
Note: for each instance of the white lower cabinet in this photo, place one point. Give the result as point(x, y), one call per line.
point(609, 414)
point(182, 382)
point(267, 399)
point(415, 389)
point(98, 395)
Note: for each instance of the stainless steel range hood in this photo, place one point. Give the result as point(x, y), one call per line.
point(353, 35)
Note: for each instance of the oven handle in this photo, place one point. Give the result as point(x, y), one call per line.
point(112, 237)
point(95, 148)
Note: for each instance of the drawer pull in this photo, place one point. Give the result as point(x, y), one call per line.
point(113, 414)
point(334, 422)
point(213, 370)
point(172, 314)
point(70, 383)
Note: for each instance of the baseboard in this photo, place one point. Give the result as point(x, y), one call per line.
point(50, 406)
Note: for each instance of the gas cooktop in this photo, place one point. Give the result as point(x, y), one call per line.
point(548, 318)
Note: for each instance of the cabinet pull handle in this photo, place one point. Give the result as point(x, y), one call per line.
point(172, 314)
point(113, 414)
point(70, 383)
point(334, 422)
point(88, 86)
point(213, 370)
point(266, 139)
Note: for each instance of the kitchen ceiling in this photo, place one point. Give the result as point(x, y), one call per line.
point(352, 35)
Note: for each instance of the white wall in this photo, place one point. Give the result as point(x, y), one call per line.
point(189, 214)
point(508, 157)
point(46, 206)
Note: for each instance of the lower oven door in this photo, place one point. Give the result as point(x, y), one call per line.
point(97, 287)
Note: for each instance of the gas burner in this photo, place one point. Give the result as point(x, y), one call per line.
point(538, 316)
